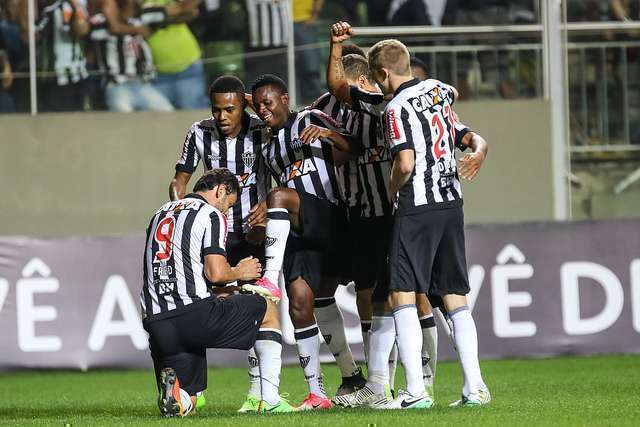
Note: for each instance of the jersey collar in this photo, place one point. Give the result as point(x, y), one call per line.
point(406, 85)
point(195, 196)
point(290, 120)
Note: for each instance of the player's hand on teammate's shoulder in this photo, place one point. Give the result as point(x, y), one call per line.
point(341, 31)
point(248, 269)
point(470, 164)
point(313, 132)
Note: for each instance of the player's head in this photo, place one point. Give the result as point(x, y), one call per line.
point(352, 49)
point(219, 187)
point(227, 104)
point(388, 59)
point(418, 68)
point(358, 73)
point(271, 100)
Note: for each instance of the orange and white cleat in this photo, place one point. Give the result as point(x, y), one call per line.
point(313, 402)
point(264, 287)
point(170, 401)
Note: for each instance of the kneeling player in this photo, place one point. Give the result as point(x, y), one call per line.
point(185, 255)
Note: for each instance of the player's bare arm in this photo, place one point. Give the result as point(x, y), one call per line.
point(111, 12)
point(336, 78)
point(471, 163)
point(218, 271)
point(178, 186)
point(401, 171)
point(183, 11)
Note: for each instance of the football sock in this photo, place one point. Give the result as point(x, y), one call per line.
point(308, 344)
point(393, 364)
point(365, 326)
point(331, 324)
point(409, 339)
point(269, 350)
point(381, 340)
point(277, 233)
point(429, 349)
point(466, 338)
point(254, 373)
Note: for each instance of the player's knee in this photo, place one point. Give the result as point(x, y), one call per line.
point(279, 197)
point(423, 305)
point(271, 319)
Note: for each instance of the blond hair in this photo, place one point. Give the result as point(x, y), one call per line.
point(390, 54)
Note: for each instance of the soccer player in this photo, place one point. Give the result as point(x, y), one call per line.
point(232, 138)
point(185, 257)
point(305, 217)
point(427, 253)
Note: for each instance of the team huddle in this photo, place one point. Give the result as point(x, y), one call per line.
point(368, 191)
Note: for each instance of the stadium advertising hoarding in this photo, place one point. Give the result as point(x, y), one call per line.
point(538, 289)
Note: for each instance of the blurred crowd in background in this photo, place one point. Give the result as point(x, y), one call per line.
point(126, 55)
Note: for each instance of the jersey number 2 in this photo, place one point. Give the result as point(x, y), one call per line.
point(163, 236)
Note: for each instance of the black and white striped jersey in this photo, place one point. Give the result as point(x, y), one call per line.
point(305, 168)
point(242, 155)
point(58, 49)
point(348, 120)
point(268, 22)
point(374, 162)
point(124, 57)
point(420, 117)
point(179, 236)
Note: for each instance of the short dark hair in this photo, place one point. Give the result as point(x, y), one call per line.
point(414, 61)
point(227, 84)
point(269, 80)
point(352, 49)
point(356, 66)
point(215, 177)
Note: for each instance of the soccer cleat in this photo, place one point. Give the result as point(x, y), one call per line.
point(250, 405)
point(312, 402)
point(407, 401)
point(352, 383)
point(481, 397)
point(363, 397)
point(282, 406)
point(169, 400)
point(200, 401)
point(264, 287)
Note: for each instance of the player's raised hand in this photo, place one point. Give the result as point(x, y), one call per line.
point(249, 268)
point(470, 165)
point(313, 132)
point(341, 31)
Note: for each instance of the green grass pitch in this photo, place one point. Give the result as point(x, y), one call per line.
point(562, 391)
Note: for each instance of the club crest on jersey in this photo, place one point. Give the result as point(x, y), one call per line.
point(296, 144)
point(246, 179)
point(300, 168)
point(248, 158)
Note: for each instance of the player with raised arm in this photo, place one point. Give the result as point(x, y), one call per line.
point(427, 252)
point(185, 258)
point(232, 138)
point(305, 216)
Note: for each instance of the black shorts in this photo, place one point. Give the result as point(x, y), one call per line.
point(180, 342)
point(369, 259)
point(238, 248)
point(317, 249)
point(427, 253)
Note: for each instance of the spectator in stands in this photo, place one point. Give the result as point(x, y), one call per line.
point(305, 16)
point(126, 58)
point(6, 80)
point(60, 27)
point(268, 36)
point(178, 58)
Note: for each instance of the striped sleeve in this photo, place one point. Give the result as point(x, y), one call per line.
point(366, 101)
point(188, 161)
point(397, 129)
point(215, 235)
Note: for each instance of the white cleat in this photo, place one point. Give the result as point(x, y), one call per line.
point(480, 397)
point(362, 397)
point(407, 401)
